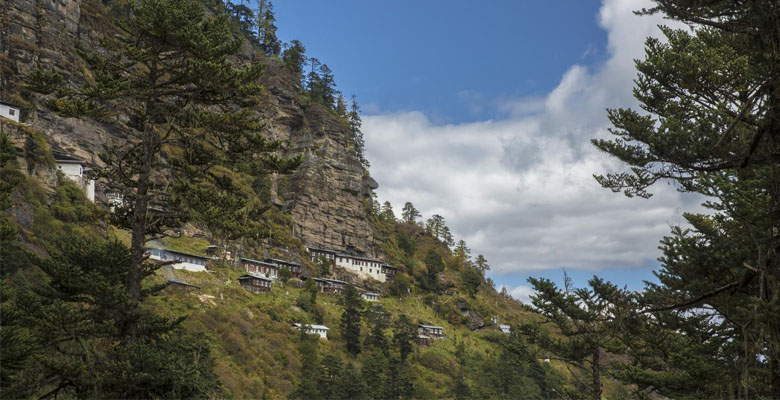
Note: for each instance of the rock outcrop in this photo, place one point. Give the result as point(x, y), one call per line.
point(326, 196)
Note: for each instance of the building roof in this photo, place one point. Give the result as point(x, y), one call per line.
point(430, 327)
point(370, 294)
point(313, 249)
point(175, 251)
point(328, 280)
point(388, 266)
point(259, 262)
point(175, 282)
point(311, 326)
point(504, 326)
point(254, 276)
point(5, 103)
point(66, 159)
point(278, 261)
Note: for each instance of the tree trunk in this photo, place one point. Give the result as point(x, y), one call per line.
point(138, 240)
point(595, 367)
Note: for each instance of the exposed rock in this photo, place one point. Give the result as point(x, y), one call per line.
point(325, 197)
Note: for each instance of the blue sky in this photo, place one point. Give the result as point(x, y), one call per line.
point(483, 112)
point(444, 57)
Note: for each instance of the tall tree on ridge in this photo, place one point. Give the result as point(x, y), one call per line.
point(168, 70)
point(355, 125)
point(713, 98)
point(410, 214)
point(266, 27)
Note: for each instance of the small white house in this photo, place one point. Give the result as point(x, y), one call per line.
point(321, 330)
point(506, 329)
point(74, 169)
point(370, 296)
point(9, 111)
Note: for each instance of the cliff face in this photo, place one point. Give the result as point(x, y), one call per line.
point(325, 196)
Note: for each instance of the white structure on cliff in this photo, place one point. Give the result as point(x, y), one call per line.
point(74, 169)
point(363, 266)
point(10, 111)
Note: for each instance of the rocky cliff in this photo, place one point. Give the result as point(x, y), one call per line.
point(326, 196)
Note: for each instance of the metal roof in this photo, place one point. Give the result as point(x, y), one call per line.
point(278, 261)
point(310, 326)
point(256, 276)
point(177, 252)
point(259, 262)
point(431, 326)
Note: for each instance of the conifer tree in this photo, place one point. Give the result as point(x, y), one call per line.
point(435, 265)
point(374, 374)
point(314, 82)
point(311, 371)
point(266, 27)
point(589, 320)
point(186, 108)
point(294, 57)
point(404, 333)
point(350, 318)
point(472, 279)
point(331, 377)
point(712, 125)
point(328, 85)
point(410, 214)
point(355, 125)
point(387, 213)
point(482, 264)
point(71, 325)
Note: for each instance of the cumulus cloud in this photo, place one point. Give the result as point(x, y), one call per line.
point(521, 293)
point(520, 190)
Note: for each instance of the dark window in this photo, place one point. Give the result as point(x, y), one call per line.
point(12, 112)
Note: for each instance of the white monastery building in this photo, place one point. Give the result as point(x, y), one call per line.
point(321, 330)
point(363, 266)
point(74, 169)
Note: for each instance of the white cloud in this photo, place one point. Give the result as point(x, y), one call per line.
point(521, 293)
point(520, 190)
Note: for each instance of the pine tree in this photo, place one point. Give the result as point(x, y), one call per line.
point(472, 279)
point(331, 377)
point(311, 371)
point(71, 325)
point(314, 82)
point(435, 265)
point(387, 213)
point(404, 333)
point(410, 214)
point(294, 57)
point(355, 124)
point(266, 27)
point(186, 116)
point(588, 319)
point(328, 85)
point(713, 127)
point(350, 319)
point(482, 264)
point(374, 375)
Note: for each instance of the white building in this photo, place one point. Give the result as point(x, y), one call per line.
point(74, 169)
point(363, 266)
point(321, 330)
point(370, 296)
point(505, 329)
point(10, 111)
point(186, 261)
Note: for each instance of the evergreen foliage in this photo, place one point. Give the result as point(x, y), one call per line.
point(712, 126)
point(186, 106)
point(350, 319)
point(410, 214)
point(66, 332)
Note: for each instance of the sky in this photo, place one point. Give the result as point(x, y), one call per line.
point(483, 112)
